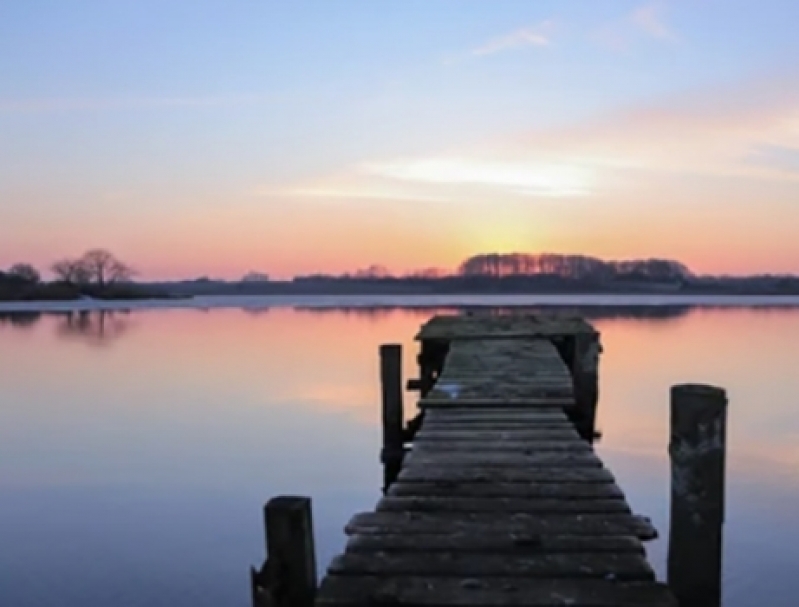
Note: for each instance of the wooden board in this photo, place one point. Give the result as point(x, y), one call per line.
point(446, 327)
point(495, 543)
point(456, 426)
point(502, 459)
point(478, 474)
point(501, 504)
point(539, 399)
point(515, 434)
point(562, 430)
point(447, 383)
point(494, 414)
point(447, 523)
point(520, 377)
point(623, 567)
point(444, 446)
point(564, 490)
point(418, 591)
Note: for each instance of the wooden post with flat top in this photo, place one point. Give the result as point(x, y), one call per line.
point(393, 417)
point(288, 578)
point(585, 371)
point(697, 450)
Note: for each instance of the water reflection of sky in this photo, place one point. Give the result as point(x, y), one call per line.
point(136, 449)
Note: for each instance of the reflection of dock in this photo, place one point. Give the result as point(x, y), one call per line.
point(494, 494)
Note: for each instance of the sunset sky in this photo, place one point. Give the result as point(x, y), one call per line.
point(214, 138)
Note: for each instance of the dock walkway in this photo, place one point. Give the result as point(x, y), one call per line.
point(499, 499)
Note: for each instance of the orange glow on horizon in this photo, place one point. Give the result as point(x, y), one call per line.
point(316, 237)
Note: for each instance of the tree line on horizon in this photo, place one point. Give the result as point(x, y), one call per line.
point(548, 272)
point(502, 265)
point(99, 274)
point(578, 267)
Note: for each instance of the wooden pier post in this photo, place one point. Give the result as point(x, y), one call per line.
point(697, 450)
point(431, 358)
point(585, 371)
point(426, 368)
point(288, 578)
point(393, 416)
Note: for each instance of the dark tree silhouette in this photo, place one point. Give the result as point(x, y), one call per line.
point(103, 268)
point(25, 272)
point(120, 272)
point(572, 266)
point(69, 271)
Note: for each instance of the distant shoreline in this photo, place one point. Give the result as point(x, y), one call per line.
point(403, 301)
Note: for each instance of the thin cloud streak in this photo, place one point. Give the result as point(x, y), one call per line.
point(649, 18)
point(527, 177)
point(704, 135)
point(538, 35)
point(648, 21)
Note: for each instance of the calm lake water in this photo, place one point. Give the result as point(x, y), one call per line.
point(137, 449)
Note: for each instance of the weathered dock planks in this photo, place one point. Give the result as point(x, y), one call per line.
point(525, 372)
point(622, 566)
point(500, 499)
point(497, 543)
point(481, 474)
point(564, 490)
point(509, 350)
point(482, 326)
point(346, 591)
point(518, 523)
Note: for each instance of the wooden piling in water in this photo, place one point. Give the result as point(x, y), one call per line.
point(288, 577)
point(393, 416)
point(585, 371)
point(697, 451)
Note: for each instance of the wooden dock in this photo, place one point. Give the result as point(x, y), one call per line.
point(494, 495)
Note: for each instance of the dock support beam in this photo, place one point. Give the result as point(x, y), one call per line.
point(585, 371)
point(431, 359)
point(288, 578)
point(393, 417)
point(697, 450)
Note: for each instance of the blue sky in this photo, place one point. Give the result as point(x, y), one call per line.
point(209, 137)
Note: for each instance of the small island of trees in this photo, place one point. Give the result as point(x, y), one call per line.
point(97, 273)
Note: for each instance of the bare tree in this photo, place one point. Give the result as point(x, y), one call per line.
point(103, 268)
point(120, 272)
point(83, 275)
point(69, 271)
point(97, 263)
point(96, 266)
point(26, 272)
